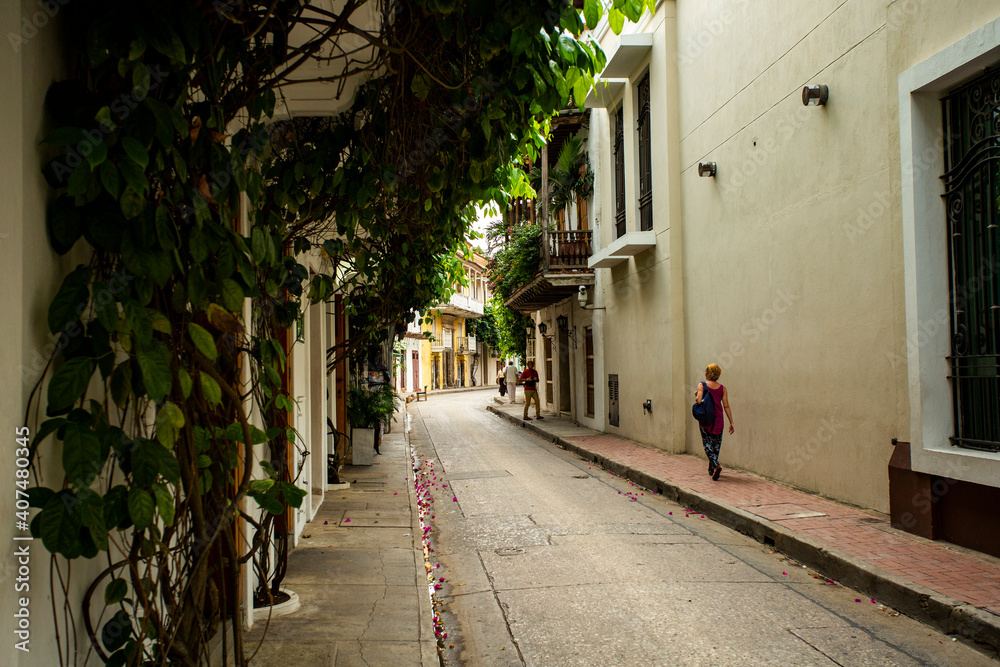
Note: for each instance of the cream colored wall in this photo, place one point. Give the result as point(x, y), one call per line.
point(789, 270)
point(798, 310)
point(640, 335)
point(34, 273)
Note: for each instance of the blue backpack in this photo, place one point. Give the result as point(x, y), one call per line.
point(704, 412)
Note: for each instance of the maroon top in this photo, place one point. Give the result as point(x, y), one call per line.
point(720, 415)
point(529, 377)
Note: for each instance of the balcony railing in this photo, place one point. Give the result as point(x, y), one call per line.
point(569, 248)
point(465, 344)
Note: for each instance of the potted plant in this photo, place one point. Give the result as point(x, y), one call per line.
point(366, 411)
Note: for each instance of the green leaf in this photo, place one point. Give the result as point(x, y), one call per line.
point(210, 389)
point(164, 503)
point(186, 382)
point(110, 179)
point(232, 295)
point(81, 456)
point(293, 494)
point(141, 507)
point(121, 384)
point(616, 20)
point(79, 181)
point(116, 632)
point(166, 230)
point(158, 321)
point(59, 526)
point(132, 203)
point(65, 224)
point(68, 384)
point(592, 12)
point(154, 362)
point(169, 422)
point(70, 301)
point(258, 245)
point(203, 341)
point(96, 154)
point(48, 427)
point(115, 591)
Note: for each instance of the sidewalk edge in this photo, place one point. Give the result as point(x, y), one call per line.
point(944, 613)
point(425, 612)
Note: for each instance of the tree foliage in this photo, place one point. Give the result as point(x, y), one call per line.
point(199, 212)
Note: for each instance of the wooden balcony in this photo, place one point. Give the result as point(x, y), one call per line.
point(561, 277)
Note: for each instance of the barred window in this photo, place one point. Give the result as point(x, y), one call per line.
point(972, 198)
point(645, 157)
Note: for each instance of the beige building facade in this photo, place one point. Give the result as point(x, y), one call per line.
point(804, 248)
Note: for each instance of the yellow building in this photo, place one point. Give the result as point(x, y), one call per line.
point(449, 356)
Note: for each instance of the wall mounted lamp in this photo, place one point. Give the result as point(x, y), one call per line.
point(563, 323)
point(542, 328)
point(706, 169)
point(647, 406)
point(815, 95)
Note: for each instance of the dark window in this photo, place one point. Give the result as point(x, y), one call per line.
point(548, 371)
point(972, 197)
point(645, 157)
point(588, 334)
point(619, 173)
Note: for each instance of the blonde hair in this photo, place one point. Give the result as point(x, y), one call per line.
point(712, 372)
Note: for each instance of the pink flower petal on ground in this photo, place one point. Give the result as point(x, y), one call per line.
point(671, 513)
point(873, 601)
point(347, 520)
point(395, 493)
point(455, 499)
point(785, 573)
point(857, 599)
point(325, 523)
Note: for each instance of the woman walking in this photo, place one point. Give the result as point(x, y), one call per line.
point(711, 437)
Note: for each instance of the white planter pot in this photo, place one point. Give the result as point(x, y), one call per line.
point(362, 446)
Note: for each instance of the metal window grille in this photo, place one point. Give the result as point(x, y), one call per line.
point(645, 157)
point(613, 399)
point(619, 173)
point(589, 350)
point(972, 198)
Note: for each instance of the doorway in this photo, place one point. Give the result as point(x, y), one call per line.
point(565, 401)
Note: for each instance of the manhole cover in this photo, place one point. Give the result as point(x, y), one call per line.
point(509, 551)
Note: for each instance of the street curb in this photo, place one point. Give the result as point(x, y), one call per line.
point(944, 613)
point(425, 609)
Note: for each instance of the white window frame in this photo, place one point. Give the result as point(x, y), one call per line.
point(925, 257)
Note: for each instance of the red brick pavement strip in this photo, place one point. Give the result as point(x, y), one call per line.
point(855, 532)
point(955, 591)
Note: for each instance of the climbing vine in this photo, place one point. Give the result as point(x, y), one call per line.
point(198, 219)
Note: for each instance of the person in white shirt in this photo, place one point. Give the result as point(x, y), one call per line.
point(512, 380)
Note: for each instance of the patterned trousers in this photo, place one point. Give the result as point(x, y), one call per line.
point(712, 442)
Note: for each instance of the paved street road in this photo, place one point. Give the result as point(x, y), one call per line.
point(548, 561)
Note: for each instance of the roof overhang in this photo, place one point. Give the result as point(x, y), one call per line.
point(625, 246)
point(629, 53)
point(548, 289)
point(605, 92)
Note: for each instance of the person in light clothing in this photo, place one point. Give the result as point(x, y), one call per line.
point(529, 378)
point(511, 376)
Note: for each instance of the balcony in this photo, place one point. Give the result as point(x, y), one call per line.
point(465, 345)
point(563, 271)
point(461, 305)
point(443, 341)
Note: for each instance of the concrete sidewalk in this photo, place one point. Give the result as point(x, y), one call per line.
point(950, 588)
point(359, 572)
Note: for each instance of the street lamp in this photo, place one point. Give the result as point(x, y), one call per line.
point(563, 323)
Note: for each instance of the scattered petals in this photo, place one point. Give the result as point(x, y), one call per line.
point(785, 573)
point(347, 520)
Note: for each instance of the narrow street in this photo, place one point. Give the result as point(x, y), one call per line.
point(544, 559)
